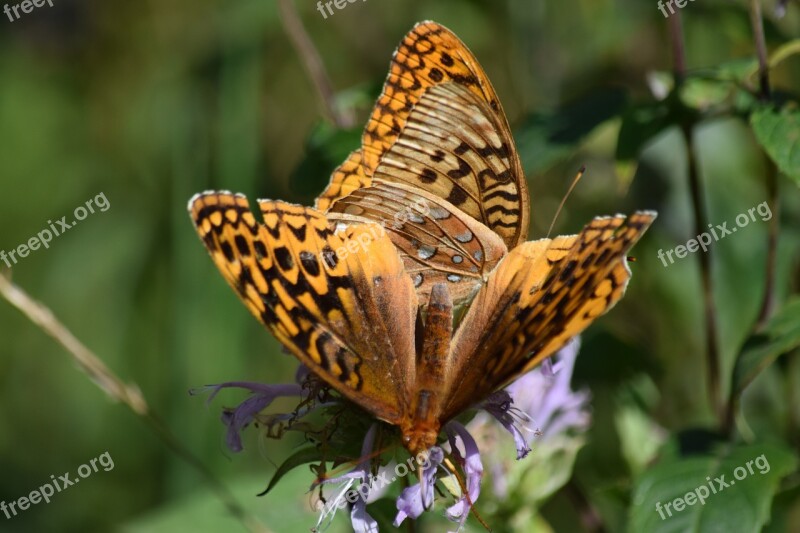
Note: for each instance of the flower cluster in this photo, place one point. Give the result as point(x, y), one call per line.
point(541, 398)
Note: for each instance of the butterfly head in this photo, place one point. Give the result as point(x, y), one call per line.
point(420, 438)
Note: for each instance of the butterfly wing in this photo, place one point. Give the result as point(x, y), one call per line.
point(348, 177)
point(439, 126)
point(437, 242)
point(451, 148)
point(541, 295)
point(342, 304)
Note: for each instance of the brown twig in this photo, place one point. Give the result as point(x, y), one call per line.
point(88, 363)
point(313, 64)
point(700, 225)
point(773, 191)
point(118, 390)
point(676, 42)
point(590, 519)
point(756, 21)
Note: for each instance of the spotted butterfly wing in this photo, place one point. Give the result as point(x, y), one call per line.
point(349, 318)
point(436, 244)
point(541, 295)
point(428, 57)
point(439, 128)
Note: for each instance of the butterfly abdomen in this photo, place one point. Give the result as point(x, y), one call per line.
point(431, 372)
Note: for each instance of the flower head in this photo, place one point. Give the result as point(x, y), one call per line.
point(540, 403)
point(239, 418)
point(410, 503)
point(359, 518)
point(543, 396)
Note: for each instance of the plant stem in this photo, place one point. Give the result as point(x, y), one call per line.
point(118, 390)
point(313, 64)
point(768, 303)
point(700, 224)
point(709, 308)
point(678, 52)
point(773, 192)
point(756, 21)
point(590, 519)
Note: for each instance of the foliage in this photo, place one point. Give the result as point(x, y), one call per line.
point(152, 105)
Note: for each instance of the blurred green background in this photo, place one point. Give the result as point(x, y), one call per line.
point(151, 102)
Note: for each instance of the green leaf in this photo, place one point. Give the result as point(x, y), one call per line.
point(639, 435)
point(703, 94)
point(639, 125)
point(778, 131)
point(780, 336)
point(302, 456)
point(545, 138)
point(740, 70)
point(784, 52)
point(752, 473)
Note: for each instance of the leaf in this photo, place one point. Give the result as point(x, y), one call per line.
point(639, 435)
point(784, 52)
point(778, 131)
point(704, 94)
point(545, 138)
point(302, 456)
point(780, 336)
point(639, 125)
point(744, 505)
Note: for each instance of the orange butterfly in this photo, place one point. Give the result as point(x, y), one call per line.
point(366, 300)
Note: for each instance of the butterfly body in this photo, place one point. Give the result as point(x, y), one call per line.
point(421, 430)
point(364, 297)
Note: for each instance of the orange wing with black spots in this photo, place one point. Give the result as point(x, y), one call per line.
point(439, 126)
point(349, 316)
point(541, 295)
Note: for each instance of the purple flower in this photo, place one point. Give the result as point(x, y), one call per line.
point(542, 396)
point(498, 404)
point(239, 418)
point(546, 396)
point(361, 521)
point(540, 403)
point(470, 461)
point(409, 503)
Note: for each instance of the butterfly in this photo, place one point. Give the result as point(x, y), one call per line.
point(367, 301)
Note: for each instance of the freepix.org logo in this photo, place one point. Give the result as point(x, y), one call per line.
point(56, 485)
point(44, 237)
point(718, 484)
point(719, 232)
point(338, 4)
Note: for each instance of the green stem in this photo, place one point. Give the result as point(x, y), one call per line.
point(700, 224)
point(773, 192)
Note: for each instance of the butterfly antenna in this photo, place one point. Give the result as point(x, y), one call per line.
point(452, 468)
point(564, 199)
